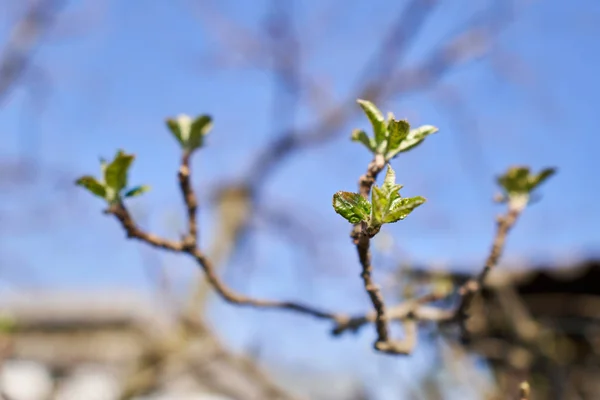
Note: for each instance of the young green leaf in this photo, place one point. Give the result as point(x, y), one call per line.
point(190, 132)
point(515, 180)
point(383, 197)
point(199, 128)
point(390, 187)
point(541, 177)
point(352, 206)
point(180, 128)
point(387, 204)
point(376, 118)
point(413, 139)
point(379, 206)
point(397, 132)
point(92, 185)
point(518, 180)
point(136, 191)
point(401, 207)
point(359, 135)
point(115, 174)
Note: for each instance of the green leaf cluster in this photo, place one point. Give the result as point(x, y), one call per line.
point(390, 137)
point(518, 181)
point(113, 186)
point(190, 132)
point(386, 205)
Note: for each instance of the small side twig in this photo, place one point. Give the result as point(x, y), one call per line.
point(133, 231)
point(190, 200)
point(468, 291)
point(417, 308)
point(188, 245)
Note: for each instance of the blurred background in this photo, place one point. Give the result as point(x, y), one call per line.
point(87, 314)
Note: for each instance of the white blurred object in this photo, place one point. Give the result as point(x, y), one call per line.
point(25, 380)
point(89, 383)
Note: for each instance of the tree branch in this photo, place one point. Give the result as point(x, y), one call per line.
point(468, 291)
point(409, 312)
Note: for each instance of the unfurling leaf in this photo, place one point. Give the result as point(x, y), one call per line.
point(361, 136)
point(136, 191)
point(376, 118)
point(91, 184)
point(397, 132)
point(401, 207)
point(200, 128)
point(541, 177)
point(115, 179)
point(390, 187)
point(180, 128)
point(392, 136)
point(387, 204)
point(413, 139)
point(352, 206)
point(115, 173)
point(518, 180)
point(190, 132)
point(379, 204)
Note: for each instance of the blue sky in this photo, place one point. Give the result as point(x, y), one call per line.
point(129, 65)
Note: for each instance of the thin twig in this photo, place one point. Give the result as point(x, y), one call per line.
point(190, 200)
point(133, 231)
point(418, 308)
point(468, 290)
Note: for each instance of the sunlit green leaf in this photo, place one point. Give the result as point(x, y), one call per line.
point(115, 174)
point(136, 191)
point(515, 180)
point(379, 204)
point(180, 128)
point(361, 136)
point(387, 204)
point(537, 180)
point(91, 184)
point(401, 207)
point(413, 139)
point(199, 128)
point(397, 132)
point(352, 206)
point(376, 118)
point(390, 187)
point(518, 180)
point(190, 132)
